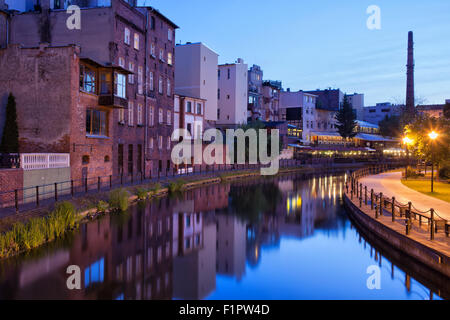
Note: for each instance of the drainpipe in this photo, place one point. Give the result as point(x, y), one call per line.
point(145, 95)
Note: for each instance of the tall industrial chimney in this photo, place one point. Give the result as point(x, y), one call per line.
point(410, 103)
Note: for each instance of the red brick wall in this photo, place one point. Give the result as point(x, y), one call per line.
point(10, 179)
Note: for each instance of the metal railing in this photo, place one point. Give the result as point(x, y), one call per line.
point(381, 205)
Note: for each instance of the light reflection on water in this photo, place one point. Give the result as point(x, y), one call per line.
point(282, 238)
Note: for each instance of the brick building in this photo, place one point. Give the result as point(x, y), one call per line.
point(116, 35)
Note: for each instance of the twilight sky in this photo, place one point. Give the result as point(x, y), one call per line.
point(325, 43)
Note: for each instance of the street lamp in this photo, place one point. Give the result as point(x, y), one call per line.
point(407, 141)
point(433, 136)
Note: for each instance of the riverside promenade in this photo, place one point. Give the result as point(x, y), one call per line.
point(390, 184)
point(423, 236)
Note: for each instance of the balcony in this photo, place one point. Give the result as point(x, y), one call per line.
point(36, 161)
point(112, 101)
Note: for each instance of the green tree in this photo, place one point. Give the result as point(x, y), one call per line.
point(391, 126)
point(418, 131)
point(346, 120)
point(10, 138)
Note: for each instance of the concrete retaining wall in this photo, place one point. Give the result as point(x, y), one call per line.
point(429, 257)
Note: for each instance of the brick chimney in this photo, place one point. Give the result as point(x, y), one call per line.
point(410, 103)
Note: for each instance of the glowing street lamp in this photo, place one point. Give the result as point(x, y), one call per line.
point(433, 136)
point(407, 141)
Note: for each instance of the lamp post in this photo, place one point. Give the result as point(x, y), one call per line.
point(407, 141)
point(433, 136)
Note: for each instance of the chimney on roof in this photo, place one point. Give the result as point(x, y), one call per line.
point(240, 60)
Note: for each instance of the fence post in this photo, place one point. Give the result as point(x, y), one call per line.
point(16, 200)
point(37, 196)
point(71, 188)
point(393, 209)
point(56, 192)
point(86, 185)
point(98, 184)
point(408, 219)
point(432, 225)
point(371, 199)
point(365, 195)
point(381, 205)
point(110, 182)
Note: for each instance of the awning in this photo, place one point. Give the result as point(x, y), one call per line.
point(324, 134)
point(372, 137)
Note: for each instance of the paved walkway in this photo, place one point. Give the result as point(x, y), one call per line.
point(390, 184)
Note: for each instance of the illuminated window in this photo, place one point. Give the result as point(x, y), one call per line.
point(136, 41)
point(87, 79)
point(120, 85)
point(131, 76)
point(127, 36)
point(95, 273)
point(96, 123)
point(169, 58)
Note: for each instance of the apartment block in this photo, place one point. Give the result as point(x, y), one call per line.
point(118, 34)
point(271, 100)
point(255, 93)
point(299, 110)
point(232, 94)
point(189, 114)
point(196, 76)
point(357, 102)
point(380, 111)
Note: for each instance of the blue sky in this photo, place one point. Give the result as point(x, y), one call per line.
point(325, 43)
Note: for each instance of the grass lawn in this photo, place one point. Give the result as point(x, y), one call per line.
point(441, 190)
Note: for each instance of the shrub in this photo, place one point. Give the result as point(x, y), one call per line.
point(444, 172)
point(118, 199)
point(412, 173)
point(142, 193)
point(156, 187)
point(102, 206)
point(176, 186)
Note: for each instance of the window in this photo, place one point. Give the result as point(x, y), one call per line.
point(131, 76)
point(169, 88)
point(152, 23)
point(229, 74)
point(188, 107)
point(168, 143)
point(161, 54)
point(169, 117)
point(121, 116)
point(199, 108)
point(87, 79)
point(136, 41)
point(139, 115)
point(160, 116)
point(218, 94)
point(150, 143)
point(105, 83)
point(121, 62)
point(130, 113)
point(96, 123)
point(160, 139)
point(152, 82)
point(153, 50)
point(120, 85)
point(160, 85)
point(127, 36)
point(218, 74)
point(140, 80)
point(169, 58)
point(169, 34)
point(152, 116)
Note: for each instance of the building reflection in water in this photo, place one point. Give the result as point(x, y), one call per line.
point(176, 246)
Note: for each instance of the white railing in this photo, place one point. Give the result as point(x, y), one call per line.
point(35, 161)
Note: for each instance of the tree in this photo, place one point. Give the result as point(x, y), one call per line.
point(418, 131)
point(346, 120)
point(390, 126)
point(10, 138)
point(447, 110)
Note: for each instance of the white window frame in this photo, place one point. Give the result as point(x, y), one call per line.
point(140, 80)
point(130, 113)
point(139, 115)
point(131, 76)
point(160, 140)
point(161, 85)
point(121, 116)
point(120, 89)
point(169, 58)
point(160, 115)
point(152, 81)
point(169, 88)
point(169, 34)
point(152, 116)
point(136, 41)
point(168, 143)
point(127, 36)
point(169, 117)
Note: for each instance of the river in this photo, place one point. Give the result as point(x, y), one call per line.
point(274, 238)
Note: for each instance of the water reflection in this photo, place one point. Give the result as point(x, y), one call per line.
point(283, 238)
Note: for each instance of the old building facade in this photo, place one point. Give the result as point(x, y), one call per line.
point(117, 34)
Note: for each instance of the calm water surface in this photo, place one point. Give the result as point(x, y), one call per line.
point(281, 238)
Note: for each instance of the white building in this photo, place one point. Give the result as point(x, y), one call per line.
point(232, 94)
point(299, 109)
point(189, 115)
point(357, 102)
point(196, 75)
